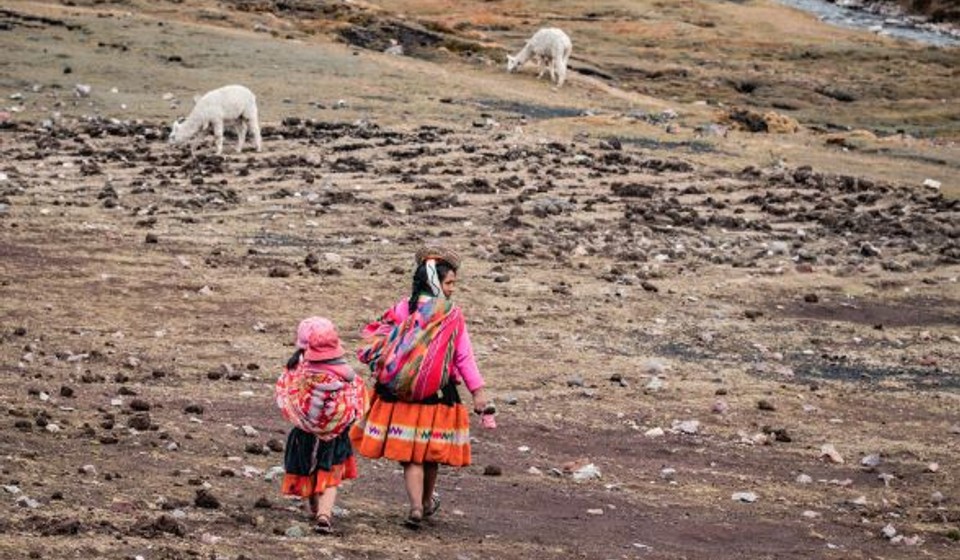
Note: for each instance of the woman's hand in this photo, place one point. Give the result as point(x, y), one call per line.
point(479, 400)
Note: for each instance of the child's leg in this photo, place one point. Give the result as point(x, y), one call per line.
point(326, 501)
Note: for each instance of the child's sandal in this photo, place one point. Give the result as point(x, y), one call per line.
point(322, 524)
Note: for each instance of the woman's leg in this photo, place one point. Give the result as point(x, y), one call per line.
point(413, 477)
point(430, 472)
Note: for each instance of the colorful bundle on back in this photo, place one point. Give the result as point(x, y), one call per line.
point(413, 358)
point(319, 398)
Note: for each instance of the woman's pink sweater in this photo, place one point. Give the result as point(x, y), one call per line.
point(464, 364)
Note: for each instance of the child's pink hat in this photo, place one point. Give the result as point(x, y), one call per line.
point(318, 339)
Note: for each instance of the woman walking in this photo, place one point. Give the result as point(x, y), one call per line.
point(419, 351)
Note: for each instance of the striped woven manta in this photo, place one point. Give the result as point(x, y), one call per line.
point(321, 398)
point(413, 357)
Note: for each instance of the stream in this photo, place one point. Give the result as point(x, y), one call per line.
point(901, 27)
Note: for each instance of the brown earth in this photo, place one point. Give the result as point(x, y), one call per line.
point(786, 292)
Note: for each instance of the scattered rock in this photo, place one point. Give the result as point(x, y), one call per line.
point(690, 427)
point(830, 453)
point(295, 532)
point(206, 500)
point(492, 470)
point(140, 422)
point(586, 472)
point(868, 250)
point(254, 448)
point(764, 404)
point(193, 409)
point(870, 461)
point(139, 405)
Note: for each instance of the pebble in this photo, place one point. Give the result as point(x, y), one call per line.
point(595, 511)
point(492, 470)
point(655, 384)
point(249, 431)
point(654, 432)
point(690, 427)
point(720, 406)
point(888, 531)
point(870, 461)
point(654, 367)
point(273, 473)
point(810, 514)
point(830, 453)
point(804, 479)
point(932, 184)
point(745, 497)
point(936, 498)
point(52, 428)
point(208, 538)
point(668, 473)
point(933, 467)
point(88, 469)
point(294, 532)
point(11, 489)
point(535, 471)
point(575, 381)
point(26, 502)
point(586, 472)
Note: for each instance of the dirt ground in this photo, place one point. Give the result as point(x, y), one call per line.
point(628, 270)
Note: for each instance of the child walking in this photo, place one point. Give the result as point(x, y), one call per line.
point(419, 351)
point(320, 394)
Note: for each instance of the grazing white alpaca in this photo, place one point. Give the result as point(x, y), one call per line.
point(229, 103)
point(549, 46)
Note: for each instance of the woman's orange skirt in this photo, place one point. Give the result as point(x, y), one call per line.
point(414, 433)
point(316, 483)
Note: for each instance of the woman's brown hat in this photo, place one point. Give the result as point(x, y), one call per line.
point(439, 253)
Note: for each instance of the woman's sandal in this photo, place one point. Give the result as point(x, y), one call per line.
point(322, 524)
point(432, 506)
point(414, 518)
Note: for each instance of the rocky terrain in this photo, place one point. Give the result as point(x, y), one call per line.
point(714, 327)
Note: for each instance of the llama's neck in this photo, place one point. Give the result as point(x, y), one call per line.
point(192, 124)
point(525, 53)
